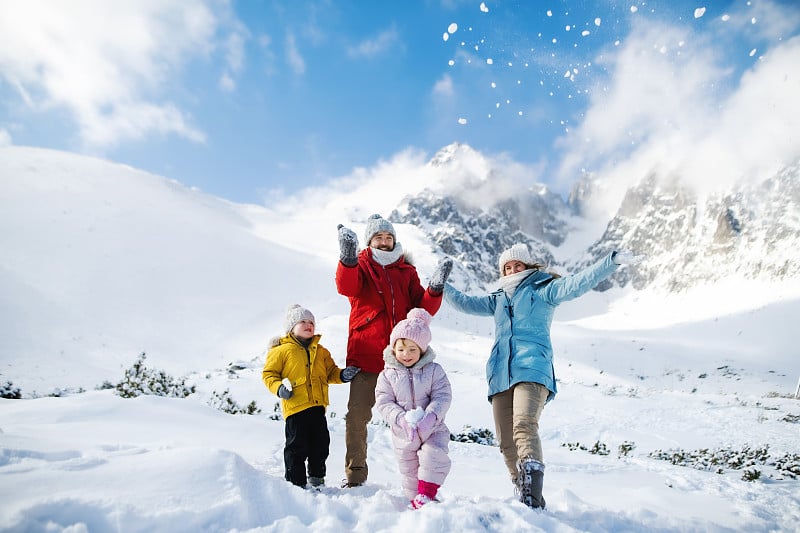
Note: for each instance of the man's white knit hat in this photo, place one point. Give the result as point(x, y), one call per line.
point(376, 224)
point(518, 252)
point(296, 313)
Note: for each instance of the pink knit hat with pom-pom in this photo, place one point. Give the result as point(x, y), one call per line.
point(414, 327)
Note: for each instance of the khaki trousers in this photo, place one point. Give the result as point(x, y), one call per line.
point(359, 414)
point(516, 418)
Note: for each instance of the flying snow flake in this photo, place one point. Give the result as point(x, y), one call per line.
point(597, 22)
point(567, 27)
point(584, 33)
point(549, 13)
point(726, 17)
point(519, 113)
point(484, 9)
point(489, 61)
point(452, 28)
point(634, 9)
point(753, 52)
point(494, 85)
point(451, 62)
point(753, 20)
point(445, 36)
point(462, 121)
point(699, 12)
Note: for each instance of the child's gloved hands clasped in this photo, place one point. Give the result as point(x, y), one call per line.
point(426, 425)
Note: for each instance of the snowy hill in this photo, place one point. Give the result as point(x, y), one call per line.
point(101, 262)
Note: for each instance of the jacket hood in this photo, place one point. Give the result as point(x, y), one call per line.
point(285, 339)
point(391, 360)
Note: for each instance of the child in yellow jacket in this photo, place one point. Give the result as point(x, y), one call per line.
point(298, 360)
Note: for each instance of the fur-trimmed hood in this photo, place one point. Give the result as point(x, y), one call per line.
point(391, 361)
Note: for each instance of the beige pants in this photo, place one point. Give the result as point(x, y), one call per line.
point(516, 418)
point(359, 413)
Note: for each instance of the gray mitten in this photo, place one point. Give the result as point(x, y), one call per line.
point(348, 373)
point(440, 275)
point(284, 393)
point(348, 246)
point(626, 257)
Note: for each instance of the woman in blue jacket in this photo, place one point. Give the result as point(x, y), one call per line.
point(520, 367)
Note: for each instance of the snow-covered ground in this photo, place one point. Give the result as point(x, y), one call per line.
point(101, 262)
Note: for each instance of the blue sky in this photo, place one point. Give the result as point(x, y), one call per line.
point(244, 97)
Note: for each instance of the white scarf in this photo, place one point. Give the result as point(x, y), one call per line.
point(510, 283)
point(383, 258)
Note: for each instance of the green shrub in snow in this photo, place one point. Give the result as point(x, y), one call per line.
point(225, 403)
point(140, 380)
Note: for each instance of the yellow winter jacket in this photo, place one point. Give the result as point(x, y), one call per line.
point(309, 370)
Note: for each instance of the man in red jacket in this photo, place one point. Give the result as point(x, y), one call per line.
point(382, 288)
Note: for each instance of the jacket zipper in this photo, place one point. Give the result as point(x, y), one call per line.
point(510, 308)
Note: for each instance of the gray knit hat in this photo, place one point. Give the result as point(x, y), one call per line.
point(296, 313)
point(376, 224)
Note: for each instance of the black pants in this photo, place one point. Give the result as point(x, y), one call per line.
point(307, 438)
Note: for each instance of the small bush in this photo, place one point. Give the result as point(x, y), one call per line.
point(276, 412)
point(599, 448)
point(475, 435)
point(225, 403)
point(751, 474)
point(625, 448)
point(140, 380)
point(10, 392)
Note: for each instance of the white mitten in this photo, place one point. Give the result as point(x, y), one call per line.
point(626, 257)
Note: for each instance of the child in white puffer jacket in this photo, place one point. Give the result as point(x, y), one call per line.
point(413, 395)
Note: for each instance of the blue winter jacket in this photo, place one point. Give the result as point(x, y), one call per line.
point(522, 351)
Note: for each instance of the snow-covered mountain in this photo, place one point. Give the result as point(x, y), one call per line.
point(751, 231)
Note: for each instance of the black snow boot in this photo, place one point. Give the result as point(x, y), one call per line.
point(530, 482)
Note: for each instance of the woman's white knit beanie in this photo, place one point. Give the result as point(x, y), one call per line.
point(518, 252)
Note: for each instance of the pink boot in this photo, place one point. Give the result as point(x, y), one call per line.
point(427, 493)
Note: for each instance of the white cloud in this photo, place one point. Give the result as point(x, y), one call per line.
point(384, 41)
point(444, 86)
point(293, 56)
point(771, 19)
point(107, 63)
point(679, 112)
point(227, 83)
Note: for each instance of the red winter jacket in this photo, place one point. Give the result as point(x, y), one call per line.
point(380, 297)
